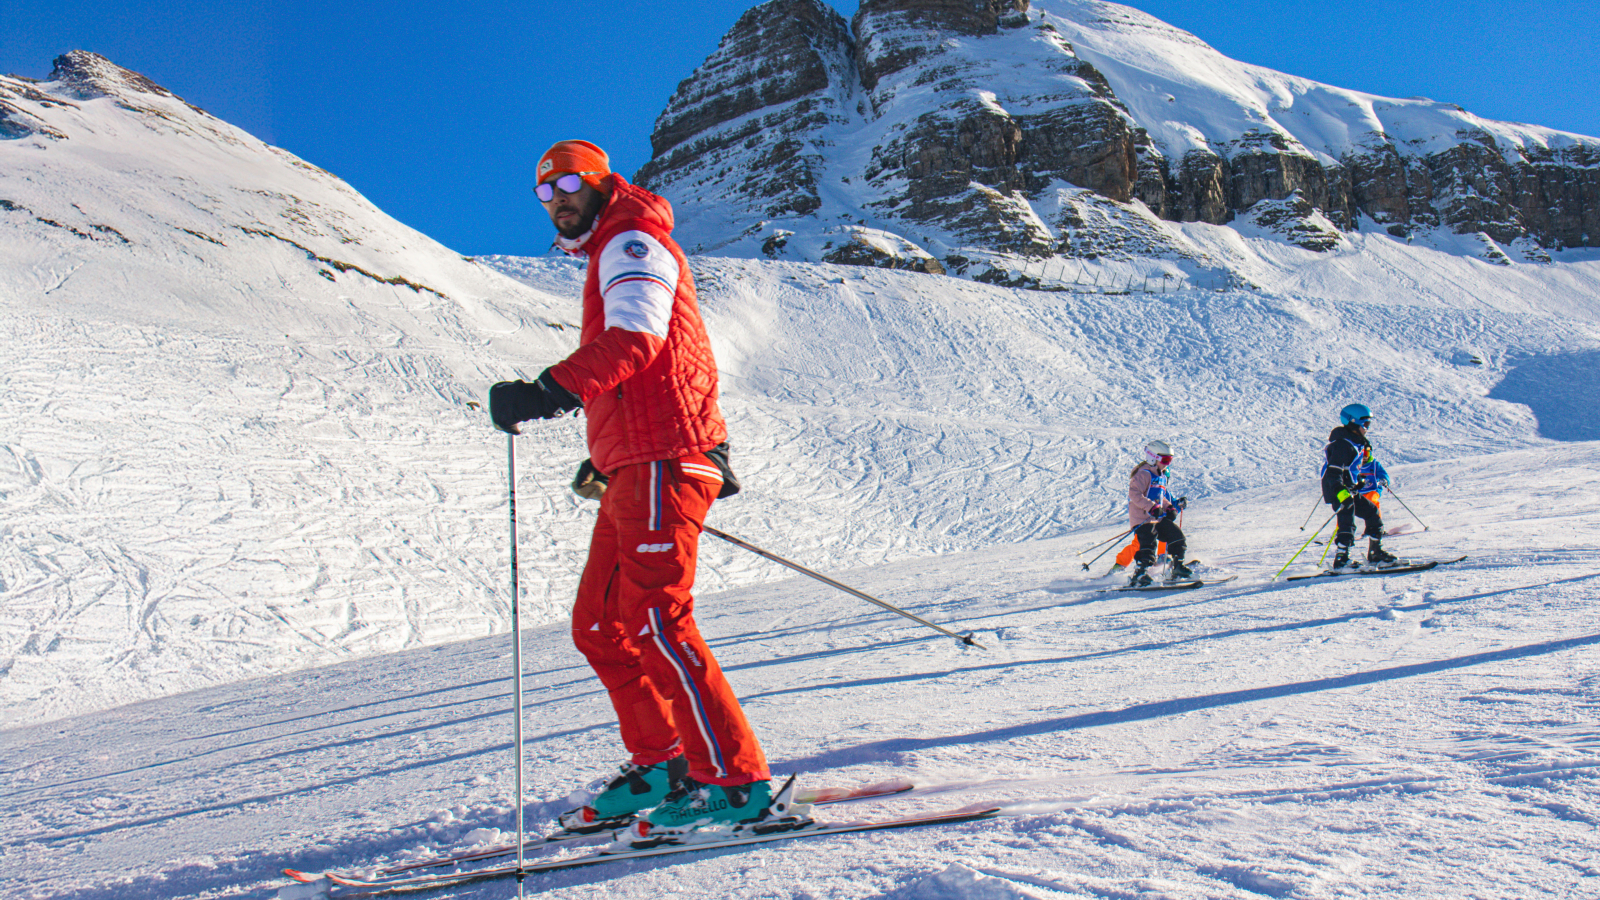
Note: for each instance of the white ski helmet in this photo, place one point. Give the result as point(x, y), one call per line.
point(1158, 453)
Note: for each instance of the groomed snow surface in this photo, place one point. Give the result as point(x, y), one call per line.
point(950, 447)
point(1427, 735)
point(254, 609)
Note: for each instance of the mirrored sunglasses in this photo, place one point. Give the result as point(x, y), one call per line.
point(570, 183)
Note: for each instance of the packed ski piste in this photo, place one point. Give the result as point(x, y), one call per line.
point(694, 775)
point(846, 582)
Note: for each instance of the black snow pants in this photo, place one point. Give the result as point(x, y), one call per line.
point(1151, 532)
point(1359, 505)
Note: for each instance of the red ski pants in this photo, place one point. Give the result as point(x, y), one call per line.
point(634, 621)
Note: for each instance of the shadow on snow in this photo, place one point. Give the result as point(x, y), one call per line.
point(1143, 711)
point(1559, 390)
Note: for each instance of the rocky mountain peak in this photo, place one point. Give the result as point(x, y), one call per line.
point(776, 54)
point(82, 78)
point(975, 136)
point(745, 124)
point(89, 75)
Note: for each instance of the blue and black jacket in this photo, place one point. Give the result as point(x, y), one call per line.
point(1347, 451)
point(1371, 477)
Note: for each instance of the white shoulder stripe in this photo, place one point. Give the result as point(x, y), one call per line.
point(639, 278)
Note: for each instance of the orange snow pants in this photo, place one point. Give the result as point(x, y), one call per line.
point(1125, 556)
point(634, 621)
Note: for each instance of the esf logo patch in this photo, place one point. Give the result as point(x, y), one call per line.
point(636, 249)
point(654, 548)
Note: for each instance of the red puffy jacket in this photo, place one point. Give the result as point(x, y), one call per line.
point(646, 397)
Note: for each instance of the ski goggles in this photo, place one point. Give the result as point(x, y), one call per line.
point(1363, 422)
point(570, 183)
point(1165, 459)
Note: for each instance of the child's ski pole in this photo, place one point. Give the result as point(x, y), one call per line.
point(1112, 542)
point(1310, 514)
point(1408, 509)
point(1304, 546)
point(1105, 542)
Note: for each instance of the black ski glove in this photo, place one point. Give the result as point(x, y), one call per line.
point(730, 482)
point(1181, 504)
point(514, 402)
point(590, 482)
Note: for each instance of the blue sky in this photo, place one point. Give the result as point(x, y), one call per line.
point(436, 111)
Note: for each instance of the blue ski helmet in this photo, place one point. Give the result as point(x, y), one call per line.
point(1356, 414)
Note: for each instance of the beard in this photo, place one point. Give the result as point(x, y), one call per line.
point(586, 218)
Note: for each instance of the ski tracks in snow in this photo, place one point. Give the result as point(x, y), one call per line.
point(1429, 734)
point(175, 500)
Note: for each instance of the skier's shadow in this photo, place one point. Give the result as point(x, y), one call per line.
point(881, 750)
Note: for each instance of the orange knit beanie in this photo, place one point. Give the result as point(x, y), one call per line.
point(578, 157)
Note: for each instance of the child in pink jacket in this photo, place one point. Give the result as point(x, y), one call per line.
point(1153, 514)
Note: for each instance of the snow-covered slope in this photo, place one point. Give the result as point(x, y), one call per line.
point(241, 462)
point(1432, 735)
point(222, 463)
point(235, 407)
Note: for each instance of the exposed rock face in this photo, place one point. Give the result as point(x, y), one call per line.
point(1552, 196)
point(90, 75)
point(744, 123)
point(892, 35)
point(15, 120)
point(976, 164)
point(1393, 189)
point(968, 127)
point(1296, 220)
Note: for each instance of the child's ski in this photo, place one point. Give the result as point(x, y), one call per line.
point(1402, 568)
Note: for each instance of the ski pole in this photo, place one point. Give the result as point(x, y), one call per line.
point(963, 638)
point(516, 642)
point(1304, 546)
point(1104, 551)
point(1112, 542)
point(1323, 559)
point(1105, 542)
point(1408, 509)
point(1310, 514)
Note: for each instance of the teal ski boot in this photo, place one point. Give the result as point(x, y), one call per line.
point(728, 808)
point(634, 789)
